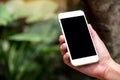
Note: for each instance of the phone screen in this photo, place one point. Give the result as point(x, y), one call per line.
point(78, 37)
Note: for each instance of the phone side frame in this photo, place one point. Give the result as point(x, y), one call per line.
point(62, 16)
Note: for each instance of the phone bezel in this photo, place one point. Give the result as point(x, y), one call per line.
point(84, 60)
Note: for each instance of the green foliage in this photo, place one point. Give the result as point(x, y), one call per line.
point(32, 11)
point(28, 41)
point(45, 31)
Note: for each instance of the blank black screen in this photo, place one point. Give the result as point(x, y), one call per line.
point(78, 37)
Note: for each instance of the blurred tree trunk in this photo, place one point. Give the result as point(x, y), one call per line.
point(105, 18)
point(67, 4)
point(3, 0)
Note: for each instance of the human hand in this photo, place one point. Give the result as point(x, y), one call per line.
point(98, 69)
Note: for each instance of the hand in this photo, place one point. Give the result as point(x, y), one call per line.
point(98, 69)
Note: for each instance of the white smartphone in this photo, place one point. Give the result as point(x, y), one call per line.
point(78, 38)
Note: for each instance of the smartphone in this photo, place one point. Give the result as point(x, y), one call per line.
point(77, 37)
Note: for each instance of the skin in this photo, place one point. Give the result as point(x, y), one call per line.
point(102, 69)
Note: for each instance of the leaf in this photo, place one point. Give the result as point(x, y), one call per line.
point(33, 11)
point(51, 49)
point(26, 37)
point(26, 68)
point(46, 32)
point(5, 14)
point(5, 45)
point(12, 60)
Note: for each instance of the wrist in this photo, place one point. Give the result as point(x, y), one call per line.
point(112, 71)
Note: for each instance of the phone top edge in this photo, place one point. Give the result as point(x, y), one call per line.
point(71, 14)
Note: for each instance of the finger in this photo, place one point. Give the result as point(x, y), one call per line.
point(61, 39)
point(63, 48)
point(66, 59)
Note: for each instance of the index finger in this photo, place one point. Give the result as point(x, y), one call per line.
point(61, 39)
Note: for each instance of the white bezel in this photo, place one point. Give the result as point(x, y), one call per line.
point(84, 60)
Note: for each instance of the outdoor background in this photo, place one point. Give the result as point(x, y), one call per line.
point(29, 32)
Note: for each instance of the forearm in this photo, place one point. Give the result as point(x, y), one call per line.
point(113, 71)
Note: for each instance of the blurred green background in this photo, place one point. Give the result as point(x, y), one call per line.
point(29, 47)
